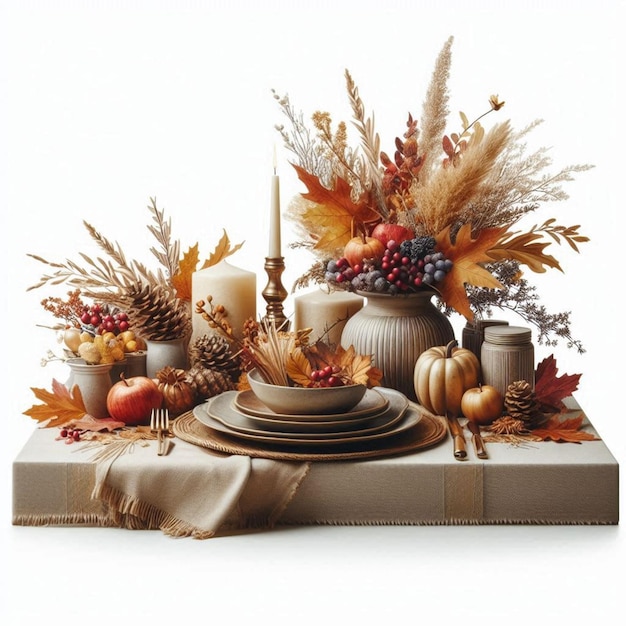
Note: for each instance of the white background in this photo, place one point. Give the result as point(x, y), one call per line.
point(105, 104)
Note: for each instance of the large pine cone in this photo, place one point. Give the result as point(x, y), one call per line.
point(157, 314)
point(520, 403)
point(208, 382)
point(213, 352)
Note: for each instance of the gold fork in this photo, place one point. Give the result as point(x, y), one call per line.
point(160, 423)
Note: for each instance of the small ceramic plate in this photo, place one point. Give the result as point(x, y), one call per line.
point(373, 402)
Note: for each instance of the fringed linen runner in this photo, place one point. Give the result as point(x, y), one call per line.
point(187, 494)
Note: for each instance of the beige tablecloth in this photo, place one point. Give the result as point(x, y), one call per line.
point(198, 492)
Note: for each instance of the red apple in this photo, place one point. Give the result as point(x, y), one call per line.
point(388, 232)
point(132, 399)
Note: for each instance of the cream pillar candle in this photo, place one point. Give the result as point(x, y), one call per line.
point(275, 243)
point(230, 286)
point(320, 311)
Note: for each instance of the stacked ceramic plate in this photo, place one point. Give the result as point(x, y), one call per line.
point(382, 413)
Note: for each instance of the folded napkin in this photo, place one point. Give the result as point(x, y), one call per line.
point(195, 492)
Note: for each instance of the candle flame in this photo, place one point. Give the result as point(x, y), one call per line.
point(275, 160)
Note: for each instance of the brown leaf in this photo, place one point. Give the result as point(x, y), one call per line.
point(564, 431)
point(320, 355)
point(333, 213)
point(60, 405)
point(222, 251)
point(186, 267)
point(466, 254)
point(550, 389)
point(96, 424)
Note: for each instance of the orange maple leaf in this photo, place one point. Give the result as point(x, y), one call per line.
point(564, 431)
point(527, 250)
point(61, 405)
point(332, 215)
point(466, 255)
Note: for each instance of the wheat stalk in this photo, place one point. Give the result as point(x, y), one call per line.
point(435, 111)
point(451, 189)
point(370, 143)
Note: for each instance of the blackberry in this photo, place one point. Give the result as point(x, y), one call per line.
point(418, 248)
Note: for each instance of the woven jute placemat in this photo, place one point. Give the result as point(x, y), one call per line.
point(429, 431)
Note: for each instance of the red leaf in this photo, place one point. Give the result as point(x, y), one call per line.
point(550, 389)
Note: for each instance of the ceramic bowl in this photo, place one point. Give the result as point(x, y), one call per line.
point(304, 400)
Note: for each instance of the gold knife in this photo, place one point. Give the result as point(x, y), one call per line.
point(460, 453)
point(477, 440)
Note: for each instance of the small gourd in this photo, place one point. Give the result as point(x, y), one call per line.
point(178, 395)
point(363, 247)
point(442, 375)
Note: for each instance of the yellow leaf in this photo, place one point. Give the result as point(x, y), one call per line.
point(466, 254)
point(186, 267)
point(358, 368)
point(299, 368)
point(222, 251)
point(60, 405)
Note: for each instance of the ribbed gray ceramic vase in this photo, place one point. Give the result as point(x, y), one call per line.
point(396, 330)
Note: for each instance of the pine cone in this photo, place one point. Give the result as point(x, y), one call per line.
point(213, 352)
point(208, 382)
point(157, 315)
point(520, 403)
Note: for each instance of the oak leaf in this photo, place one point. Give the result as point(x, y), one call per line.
point(550, 389)
point(61, 405)
point(332, 214)
point(466, 255)
point(526, 249)
point(564, 431)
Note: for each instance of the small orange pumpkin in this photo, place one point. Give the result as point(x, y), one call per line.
point(363, 247)
point(442, 375)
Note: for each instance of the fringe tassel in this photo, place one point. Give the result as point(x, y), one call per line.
point(132, 514)
point(447, 522)
point(73, 519)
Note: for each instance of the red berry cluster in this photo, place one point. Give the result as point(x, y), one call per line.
point(102, 321)
point(326, 377)
point(400, 270)
point(70, 434)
